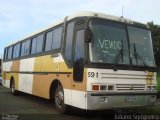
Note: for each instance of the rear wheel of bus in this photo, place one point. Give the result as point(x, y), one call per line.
point(13, 91)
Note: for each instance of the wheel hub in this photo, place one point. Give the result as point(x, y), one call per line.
point(59, 99)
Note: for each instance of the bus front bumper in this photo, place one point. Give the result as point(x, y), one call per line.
point(101, 100)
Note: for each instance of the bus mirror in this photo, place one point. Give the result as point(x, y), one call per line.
point(88, 35)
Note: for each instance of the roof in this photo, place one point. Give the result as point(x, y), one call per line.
point(78, 14)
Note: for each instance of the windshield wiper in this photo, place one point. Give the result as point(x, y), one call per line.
point(119, 54)
point(138, 57)
point(117, 57)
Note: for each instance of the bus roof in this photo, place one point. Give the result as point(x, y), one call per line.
point(81, 14)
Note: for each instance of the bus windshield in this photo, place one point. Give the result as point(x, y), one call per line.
point(110, 44)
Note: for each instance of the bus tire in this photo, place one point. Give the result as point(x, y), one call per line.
point(59, 100)
point(13, 91)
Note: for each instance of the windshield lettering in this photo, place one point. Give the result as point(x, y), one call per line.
point(110, 44)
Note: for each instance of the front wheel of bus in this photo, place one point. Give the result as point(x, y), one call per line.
point(59, 100)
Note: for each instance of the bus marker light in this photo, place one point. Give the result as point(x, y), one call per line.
point(110, 87)
point(95, 87)
point(103, 87)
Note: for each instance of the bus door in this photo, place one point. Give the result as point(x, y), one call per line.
point(78, 82)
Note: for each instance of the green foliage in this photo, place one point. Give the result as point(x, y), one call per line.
point(155, 29)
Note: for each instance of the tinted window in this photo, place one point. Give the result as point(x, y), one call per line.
point(23, 49)
point(33, 49)
point(16, 51)
point(57, 33)
point(79, 56)
point(27, 47)
point(69, 41)
point(48, 45)
point(9, 56)
point(79, 47)
point(39, 43)
point(5, 54)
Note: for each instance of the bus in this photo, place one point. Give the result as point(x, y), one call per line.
point(88, 60)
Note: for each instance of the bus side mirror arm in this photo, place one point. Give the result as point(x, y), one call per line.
point(88, 35)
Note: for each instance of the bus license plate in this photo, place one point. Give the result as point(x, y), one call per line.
point(130, 99)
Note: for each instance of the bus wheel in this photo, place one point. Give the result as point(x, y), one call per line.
point(13, 91)
point(59, 100)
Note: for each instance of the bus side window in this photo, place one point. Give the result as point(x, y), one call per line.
point(49, 36)
point(16, 50)
point(33, 48)
point(69, 42)
point(57, 35)
point(39, 43)
point(25, 48)
point(79, 56)
point(9, 56)
point(5, 54)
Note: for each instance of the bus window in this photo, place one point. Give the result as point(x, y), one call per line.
point(16, 50)
point(25, 48)
point(33, 49)
point(39, 43)
point(49, 36)
point(5, 54)
point(57, 34)
point(22, 49)
point(69, 41)
point(9, 53)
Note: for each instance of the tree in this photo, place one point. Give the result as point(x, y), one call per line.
point(155, 30)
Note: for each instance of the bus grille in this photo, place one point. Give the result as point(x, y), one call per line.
point(130, 87)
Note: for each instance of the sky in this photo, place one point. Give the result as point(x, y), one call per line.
point(18, 18)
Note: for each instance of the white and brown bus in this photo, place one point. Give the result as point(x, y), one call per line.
point(88, 60)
